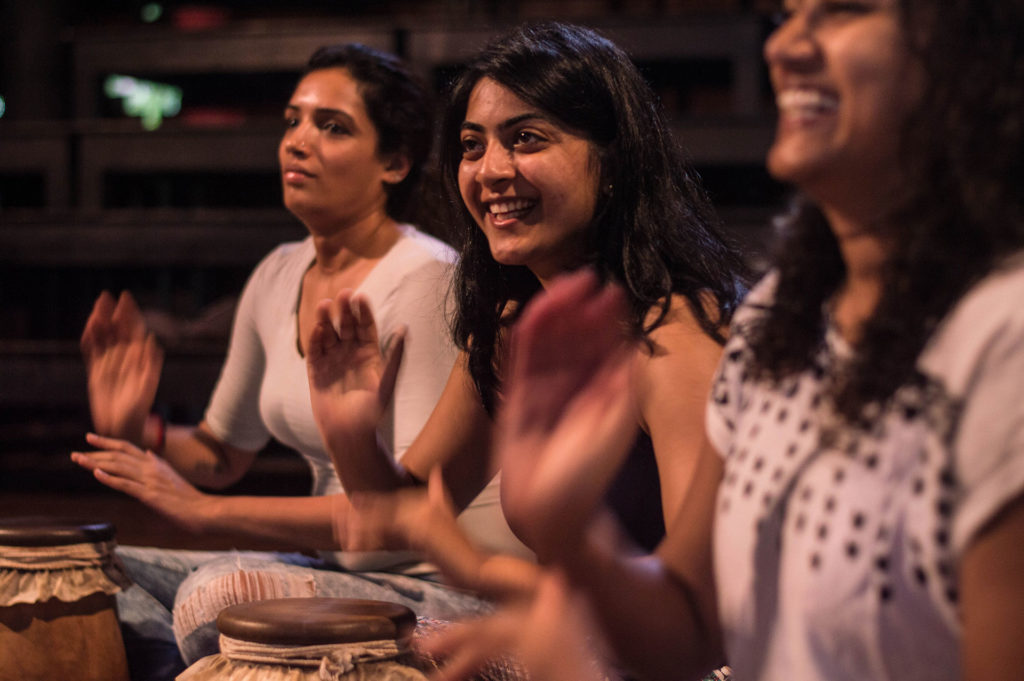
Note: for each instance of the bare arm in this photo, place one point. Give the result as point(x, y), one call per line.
point(992, 598)
point(560, 440)
point(659, 612)
point(305, 521)
point(672, 384)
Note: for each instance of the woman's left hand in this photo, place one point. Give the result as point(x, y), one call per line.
point(122, 466)
point(350, 380)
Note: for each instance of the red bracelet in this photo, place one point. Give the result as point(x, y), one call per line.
point(161, 433)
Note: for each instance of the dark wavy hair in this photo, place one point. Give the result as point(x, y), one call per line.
point(654, 232)
point(399, 107)
point(959, 210)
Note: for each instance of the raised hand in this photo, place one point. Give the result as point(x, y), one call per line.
point(350, 381)
point(122, 466)
point(568, 416)
point(123, 362)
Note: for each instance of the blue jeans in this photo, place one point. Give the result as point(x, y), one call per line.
point(168, 617)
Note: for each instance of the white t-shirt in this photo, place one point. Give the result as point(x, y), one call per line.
point(836, 551)
point(263, 390)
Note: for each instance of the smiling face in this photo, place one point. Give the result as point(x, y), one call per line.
point(529, 183)
point(330, 170)
point(844, 83)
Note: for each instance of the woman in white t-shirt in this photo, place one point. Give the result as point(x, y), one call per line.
point(357, 130)
point(858, 512)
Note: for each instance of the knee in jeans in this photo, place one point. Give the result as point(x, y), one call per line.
point(223, 583)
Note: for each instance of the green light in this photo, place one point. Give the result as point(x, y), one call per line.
point(145, 99)
point(3, 106)
point(151, 12)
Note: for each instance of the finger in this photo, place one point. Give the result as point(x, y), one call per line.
point(127, 319)
point(153, 354)
point(365, 325)
point(118, 483)
point(113, 443)
point(322, 336)
point(392, 363)
point(341, 314)
point(466, 650)
point(96, 334)
point(112, 465)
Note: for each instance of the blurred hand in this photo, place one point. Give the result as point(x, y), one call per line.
point(122, 466)
point(551, 635)
point(568, 416)
point(123, 363)
point(407, 518)
point(350, 381)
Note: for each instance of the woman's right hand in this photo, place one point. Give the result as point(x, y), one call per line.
point(123, 362)
point(568, 416)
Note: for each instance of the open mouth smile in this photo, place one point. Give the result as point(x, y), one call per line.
point(509, 209)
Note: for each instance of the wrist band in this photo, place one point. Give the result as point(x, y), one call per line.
point(161, 433)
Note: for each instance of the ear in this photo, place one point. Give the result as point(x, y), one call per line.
point(396, 167)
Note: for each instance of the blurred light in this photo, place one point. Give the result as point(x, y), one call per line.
point(3, 106)
point(152, 11)
point(148, 101)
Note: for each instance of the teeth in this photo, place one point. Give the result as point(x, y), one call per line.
point(510, 206)
point(806, 101)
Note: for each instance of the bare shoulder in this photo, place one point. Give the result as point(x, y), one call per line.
point(678, 359)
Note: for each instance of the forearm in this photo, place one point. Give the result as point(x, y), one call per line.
point(198, 455)
point(652, 618)
point(296, 521)
point(363, 462)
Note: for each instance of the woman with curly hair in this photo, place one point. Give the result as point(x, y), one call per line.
point(858, 512)
point(556, 157)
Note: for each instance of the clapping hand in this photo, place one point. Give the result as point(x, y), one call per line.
point(568, 416)
point(122, 466)
point(123, 362)
point(350, 380)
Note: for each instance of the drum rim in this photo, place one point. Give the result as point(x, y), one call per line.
point(316, 621)
point(53, 531)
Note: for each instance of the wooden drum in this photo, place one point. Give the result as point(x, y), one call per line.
point(57, 617)
point(312, 639)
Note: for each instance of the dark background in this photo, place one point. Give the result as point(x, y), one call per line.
point(89, 200)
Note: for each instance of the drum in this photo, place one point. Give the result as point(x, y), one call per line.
point(312, 639)
point(57, 617)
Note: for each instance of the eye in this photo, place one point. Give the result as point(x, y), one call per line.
point(290, 122)
point(472, 148)
point(335, 128)
point(527, 139)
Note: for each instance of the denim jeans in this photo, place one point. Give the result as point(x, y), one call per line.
point(168, 617)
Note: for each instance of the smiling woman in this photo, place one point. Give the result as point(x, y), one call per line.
point(530, 184)
point(556, 158)
point(356, 134)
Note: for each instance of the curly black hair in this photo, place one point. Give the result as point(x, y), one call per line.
point(654, 232)
point(959, 210)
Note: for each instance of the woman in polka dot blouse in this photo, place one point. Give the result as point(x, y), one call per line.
point(858, 512)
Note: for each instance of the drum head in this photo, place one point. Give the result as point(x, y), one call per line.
point(316, 621)
point(43, 531)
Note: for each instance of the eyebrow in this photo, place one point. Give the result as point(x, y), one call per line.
point(324, 110)
point(508, 123)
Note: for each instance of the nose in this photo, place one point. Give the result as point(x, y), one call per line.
point(294, 141)
point(496, 165)
point(793, 43)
